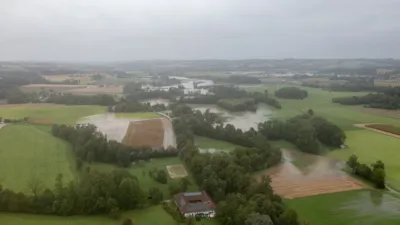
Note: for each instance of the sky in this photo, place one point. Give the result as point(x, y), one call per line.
point(115, 30)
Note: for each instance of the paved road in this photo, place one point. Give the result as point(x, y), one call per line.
point(169, 135)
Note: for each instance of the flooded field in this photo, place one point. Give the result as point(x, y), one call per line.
point(301, 175)
point(366, 207)
point(242, 120)
point(117, 128)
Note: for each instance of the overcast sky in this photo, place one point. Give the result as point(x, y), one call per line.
point(108, 30)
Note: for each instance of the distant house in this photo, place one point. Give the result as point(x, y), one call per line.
point(192, 204)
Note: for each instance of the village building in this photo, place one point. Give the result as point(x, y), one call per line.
point(195, 204)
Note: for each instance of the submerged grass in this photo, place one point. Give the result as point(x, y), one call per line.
point(366, 207)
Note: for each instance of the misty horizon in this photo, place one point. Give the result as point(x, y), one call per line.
point(122, 30)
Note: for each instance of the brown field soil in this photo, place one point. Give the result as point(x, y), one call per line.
point(145, 133)
point(365, 126)
point(380, 112)
point(320, 175)
point(177, 171)
point(93, 89)
point(40, 121)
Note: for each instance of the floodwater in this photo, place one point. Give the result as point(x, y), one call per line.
point(372, 207)
point(301, 175)
point(190, 85)
point(2, 125)
point(243, 120)
point(116, 128)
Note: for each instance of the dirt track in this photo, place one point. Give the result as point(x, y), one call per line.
point(321, 176)
point(364, 125)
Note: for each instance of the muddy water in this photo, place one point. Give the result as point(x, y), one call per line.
point(307, 166)
point(116, 128)
point(108, 124)
point(242, 120)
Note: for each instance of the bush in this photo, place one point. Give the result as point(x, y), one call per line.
point(127, 221)
point(291, 93)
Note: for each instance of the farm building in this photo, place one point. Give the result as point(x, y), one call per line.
point(192, 204)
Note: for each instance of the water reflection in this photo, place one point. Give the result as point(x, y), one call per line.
point(242, 120)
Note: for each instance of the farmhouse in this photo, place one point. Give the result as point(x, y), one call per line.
point(193, 204)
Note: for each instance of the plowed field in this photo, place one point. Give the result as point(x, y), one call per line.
point(145, 133)
point(322, 175)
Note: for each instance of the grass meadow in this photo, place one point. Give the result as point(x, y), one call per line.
point(141, 171)
point(321, 102)
point(370, 146)
point(30, 152)
point(154, 215)
point(50, 113)
point(206, 143)
point(141, 115)
point(366, 207)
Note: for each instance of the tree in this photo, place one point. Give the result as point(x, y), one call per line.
point(378, 177)
point(258, 219)
point(156, 195)
point(79, 164)
point(35, 185)
point(127, 221)
point(353, 163)
point(161, 177)
point(190, 221)
point(185, 182)
point(310, 112)
point(289, 217)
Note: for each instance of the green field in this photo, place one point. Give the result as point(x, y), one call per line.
point(31, 152)
point(366, 207)
point(206, 143)
point(142, 115)
point(60, 114)
point(150, 216)
point(370, 146)
point(321, 102)
point(141, 171)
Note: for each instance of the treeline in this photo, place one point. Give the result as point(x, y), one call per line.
point(95, 193)
point(136, 106)
point(240, 104)
point(291, 93)
point(232, 79)
point(306, 131)
point(10, 82)
point(389, 99)
point(92, 146)
point(375, 174)
point(227, 178)
point(230, 92)
point(134, 91)
point(70, 99)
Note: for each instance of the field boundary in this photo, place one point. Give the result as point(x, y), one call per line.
point(364, 125)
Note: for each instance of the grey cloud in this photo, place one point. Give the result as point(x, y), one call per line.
point(90, 30)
